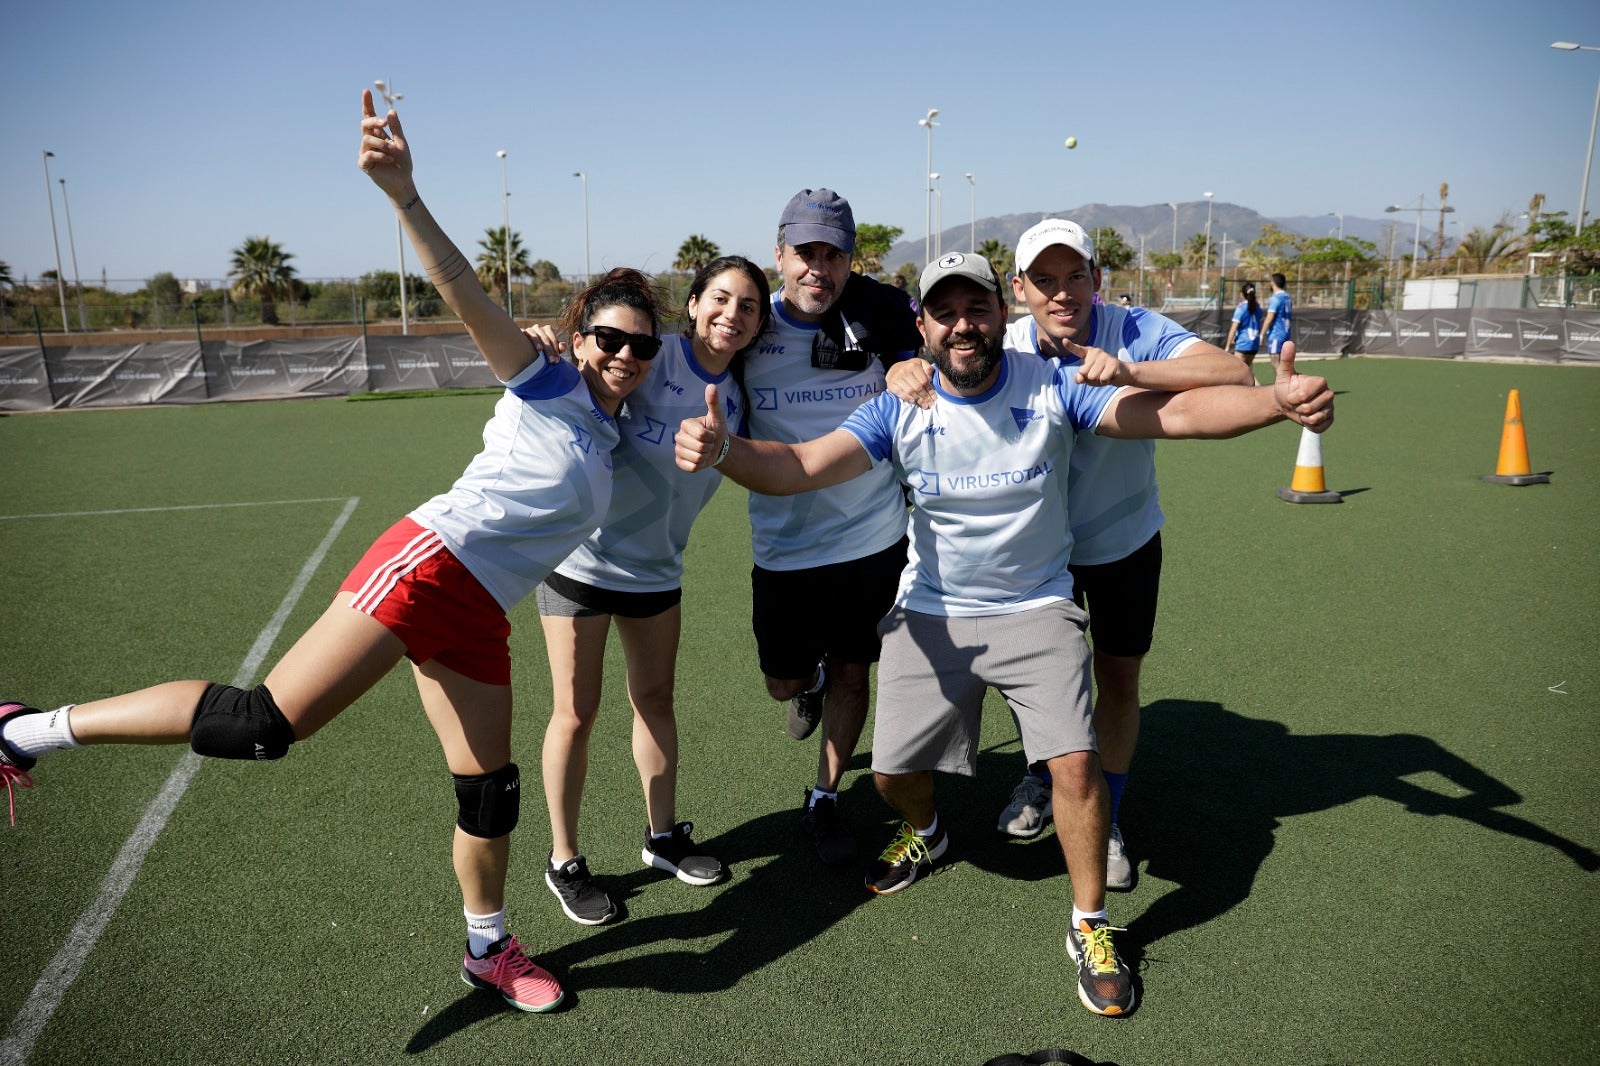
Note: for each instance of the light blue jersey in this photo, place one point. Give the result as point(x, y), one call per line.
point(988, 501)
point(1112, 484)
point(538, 488)
point(639, 545)
point(790, 400)
point(1280, 304)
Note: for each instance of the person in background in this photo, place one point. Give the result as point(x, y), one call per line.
point(1244, 335)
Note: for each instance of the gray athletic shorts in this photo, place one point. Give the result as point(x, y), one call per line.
point(935, 670)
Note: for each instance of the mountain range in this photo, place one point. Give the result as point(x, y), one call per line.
point(1154, 223)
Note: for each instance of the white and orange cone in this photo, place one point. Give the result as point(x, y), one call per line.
point(1513, 467)
point(1308, 484)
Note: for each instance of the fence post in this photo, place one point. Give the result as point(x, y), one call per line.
point(197, 336)
point(38, 328)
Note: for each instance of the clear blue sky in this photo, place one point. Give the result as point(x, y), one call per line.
point(181, 128)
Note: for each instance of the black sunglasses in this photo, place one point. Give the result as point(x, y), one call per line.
point(611, 341)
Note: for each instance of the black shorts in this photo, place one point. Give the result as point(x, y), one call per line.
point(801, 615)
point(1120, 597)
point(561, 596)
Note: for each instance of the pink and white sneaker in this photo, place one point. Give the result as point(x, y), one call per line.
point(14, 765)
point(506, 968)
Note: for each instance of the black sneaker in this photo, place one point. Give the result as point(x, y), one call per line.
point(584, 901)
point(906, 860)
point(1105, 984)
point(805, 710)
point(835, 844)
point(678, 855)
point(14, 765)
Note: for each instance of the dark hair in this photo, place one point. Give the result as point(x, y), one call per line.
point(1280, 281)
point(619, 287)
point(1248, 291)
point(739, 264)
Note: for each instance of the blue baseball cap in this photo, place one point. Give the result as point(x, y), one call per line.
point(819, 215)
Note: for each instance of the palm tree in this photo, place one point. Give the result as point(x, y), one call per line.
point(695, 253)
point(6, 281)
point(1196, 248)
point(1482, 246)
point(492, 260)
point(260, 265)
point(998, 254)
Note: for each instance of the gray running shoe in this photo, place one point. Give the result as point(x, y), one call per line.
point(1029, 810)
point(805, 710)
point(1119, 871)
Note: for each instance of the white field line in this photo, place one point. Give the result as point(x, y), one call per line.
point(180, 507)
point(63, 969)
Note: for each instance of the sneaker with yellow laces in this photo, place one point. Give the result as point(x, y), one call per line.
point(1105, 984)
point(906, 860)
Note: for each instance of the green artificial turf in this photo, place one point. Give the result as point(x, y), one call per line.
point(1364, 805)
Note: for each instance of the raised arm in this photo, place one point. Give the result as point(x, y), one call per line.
point(769, 467)
point(1222, 410)
point(386, 158)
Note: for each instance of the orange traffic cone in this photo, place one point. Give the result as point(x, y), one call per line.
point(1308, 485)
point(1513, 467)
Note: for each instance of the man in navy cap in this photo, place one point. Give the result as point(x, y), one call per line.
point(827, 563)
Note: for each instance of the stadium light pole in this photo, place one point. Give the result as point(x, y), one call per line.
point(83, 319)
point(61, 286)
point(1416, 237)
point(390, 98)
point(505, 220)
point(972, 228)
point(1588, 160)
point(1174, 226)
point(938, 215)
point(1205, 264)
point(584, 177)
point(927, 207)
point(1335, 214)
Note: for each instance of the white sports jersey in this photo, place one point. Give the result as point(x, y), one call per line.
point(639, 545)
point(1112, 483)
point(986, 476)
point(791, 401)
point(538, 488)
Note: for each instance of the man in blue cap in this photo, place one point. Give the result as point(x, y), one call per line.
point(827, 563)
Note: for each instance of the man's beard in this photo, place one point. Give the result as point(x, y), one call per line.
point(988, 357)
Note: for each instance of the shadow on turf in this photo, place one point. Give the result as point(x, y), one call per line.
point(1222, 782)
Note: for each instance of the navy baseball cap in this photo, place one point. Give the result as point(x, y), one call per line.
point(819, 215)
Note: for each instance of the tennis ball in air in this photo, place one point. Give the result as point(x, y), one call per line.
point(1072, 142)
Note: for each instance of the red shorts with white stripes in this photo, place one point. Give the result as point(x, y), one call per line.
point(415, 586)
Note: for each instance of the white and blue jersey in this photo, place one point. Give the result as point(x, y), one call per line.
point(639, 545)
point(1281, 305)
point(1112, 484)
point(791, 401)
point(538, 488)
point(989, 505)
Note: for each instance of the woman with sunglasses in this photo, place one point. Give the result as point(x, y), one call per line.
point(630, 572)
point(436, 587)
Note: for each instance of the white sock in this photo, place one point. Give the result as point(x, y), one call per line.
point(483, 930)
point(819, 793)
point(31, 735)
point(933, 827)
point(1079, 916)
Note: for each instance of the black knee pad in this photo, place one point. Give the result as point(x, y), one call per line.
point(231, 723)
point(489, 803)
